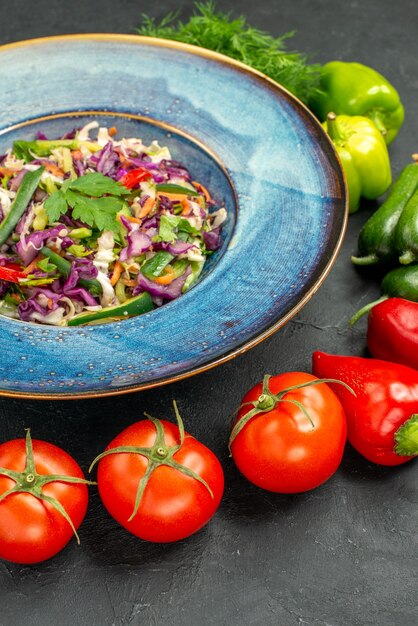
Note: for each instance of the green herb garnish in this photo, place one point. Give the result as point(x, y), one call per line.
point(236, 38)
point(85, 195)
point(172, 226)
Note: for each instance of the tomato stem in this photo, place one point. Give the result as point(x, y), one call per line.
point(158, 454)
point(29, 481)
point(267, 401)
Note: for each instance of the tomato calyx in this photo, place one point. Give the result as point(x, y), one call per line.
point(29, 481)
point(267, 401)
point(158, 454)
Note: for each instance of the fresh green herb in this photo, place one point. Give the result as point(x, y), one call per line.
point(99, 212)
point(95, 184)
point(236, 38)
point(55, 206)
point(85, 196)
point(168, 224)
point(172, 228)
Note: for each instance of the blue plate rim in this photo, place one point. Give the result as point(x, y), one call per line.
point(258, 337)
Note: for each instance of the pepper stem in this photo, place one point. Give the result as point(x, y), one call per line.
point(406, 437)
point(407, 257)
point(333, 128)
point(370, 259)
point(365, 310)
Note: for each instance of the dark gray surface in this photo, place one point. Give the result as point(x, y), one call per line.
point(342, 555)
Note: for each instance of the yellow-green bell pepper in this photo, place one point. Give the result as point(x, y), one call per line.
point(356, 89)
point(363, 155)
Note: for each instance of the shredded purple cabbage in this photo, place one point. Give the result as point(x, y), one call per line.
point(4, 286)
point(138, 241)
point(212, 239)
point(31, 305)
point(166, 292)
point(106, 161)
point(29, 245)
point(14, 183)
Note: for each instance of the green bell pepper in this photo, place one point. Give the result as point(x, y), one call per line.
point(363, 155)
point(355, 89)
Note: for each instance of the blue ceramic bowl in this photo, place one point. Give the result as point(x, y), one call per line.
point(259, 150)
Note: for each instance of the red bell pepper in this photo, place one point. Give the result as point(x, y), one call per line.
point(392, 332)
point(134, 177)
point(382, 418)
point(11, 273)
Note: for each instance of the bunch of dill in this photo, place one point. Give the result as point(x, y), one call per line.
point(236, 38)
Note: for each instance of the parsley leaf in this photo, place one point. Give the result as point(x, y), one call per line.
point(96, 184)
point(55, 206)
point(172, 226)
point(94, 198)
point(168, 223)
point(98, 211)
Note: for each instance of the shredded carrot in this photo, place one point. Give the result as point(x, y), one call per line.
point(129, 282)
point(16, 297)
point(147, 208)
point(77, 154)
point(186, 207)
point(32, 266)
point(166, 278)
point(124, 161)
point(117, 271)
point(130, 218)
point(112, 131)
point(54, 169)
point(174, 197)
point(135, 220)
point(203, 189)
point(50, 303)
point(5, 171)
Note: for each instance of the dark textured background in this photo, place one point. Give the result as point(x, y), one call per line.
point(342, 555)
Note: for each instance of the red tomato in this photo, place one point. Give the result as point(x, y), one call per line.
point(281, 450)
point(173, 505)
point(31, 529)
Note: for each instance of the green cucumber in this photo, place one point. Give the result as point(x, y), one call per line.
point(134, 306)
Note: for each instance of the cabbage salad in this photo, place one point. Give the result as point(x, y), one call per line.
point(99, 229)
